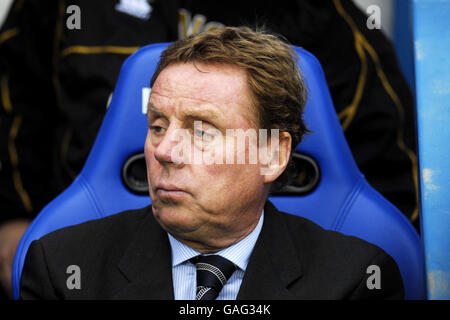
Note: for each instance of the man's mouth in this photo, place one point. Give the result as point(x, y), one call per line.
point(170, 191)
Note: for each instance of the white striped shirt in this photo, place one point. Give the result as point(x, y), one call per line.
point(184, 273)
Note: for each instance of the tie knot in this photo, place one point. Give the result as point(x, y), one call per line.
point(213, 271)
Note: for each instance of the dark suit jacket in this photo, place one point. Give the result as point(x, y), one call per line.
point(128, 256)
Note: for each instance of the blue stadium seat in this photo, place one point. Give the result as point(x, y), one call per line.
point(341, 201)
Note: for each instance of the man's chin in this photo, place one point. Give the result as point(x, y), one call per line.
point(175, 219)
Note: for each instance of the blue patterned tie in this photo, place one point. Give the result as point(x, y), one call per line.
point(213, 271)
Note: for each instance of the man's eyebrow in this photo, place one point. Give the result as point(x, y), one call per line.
point(153, 111)
point(203, 114)
point(195, 113)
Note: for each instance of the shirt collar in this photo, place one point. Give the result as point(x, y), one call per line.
point(238, 253)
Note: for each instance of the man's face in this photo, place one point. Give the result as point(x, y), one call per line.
point(206, 205)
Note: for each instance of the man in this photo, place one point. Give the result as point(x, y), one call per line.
point(210, 232)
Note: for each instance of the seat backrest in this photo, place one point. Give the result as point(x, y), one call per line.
point(341, 201)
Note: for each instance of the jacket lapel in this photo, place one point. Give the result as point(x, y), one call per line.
point(274, 263)
point(273, 266)
point(146, 264)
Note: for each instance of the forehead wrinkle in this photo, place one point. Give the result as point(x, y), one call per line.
point(152, 109)
point(178, 97)
point(200, 108)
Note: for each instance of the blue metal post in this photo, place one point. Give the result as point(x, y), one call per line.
point(431, 27)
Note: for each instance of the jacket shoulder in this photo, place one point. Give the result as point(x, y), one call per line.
point(122, 219)
point(303, 229)
point(94, 236)
point(341, 263)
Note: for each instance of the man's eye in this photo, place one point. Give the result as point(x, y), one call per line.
point(203, 135)
point(199, 133)
point(156, 129)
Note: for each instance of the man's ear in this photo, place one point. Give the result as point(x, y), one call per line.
point(278, 153)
